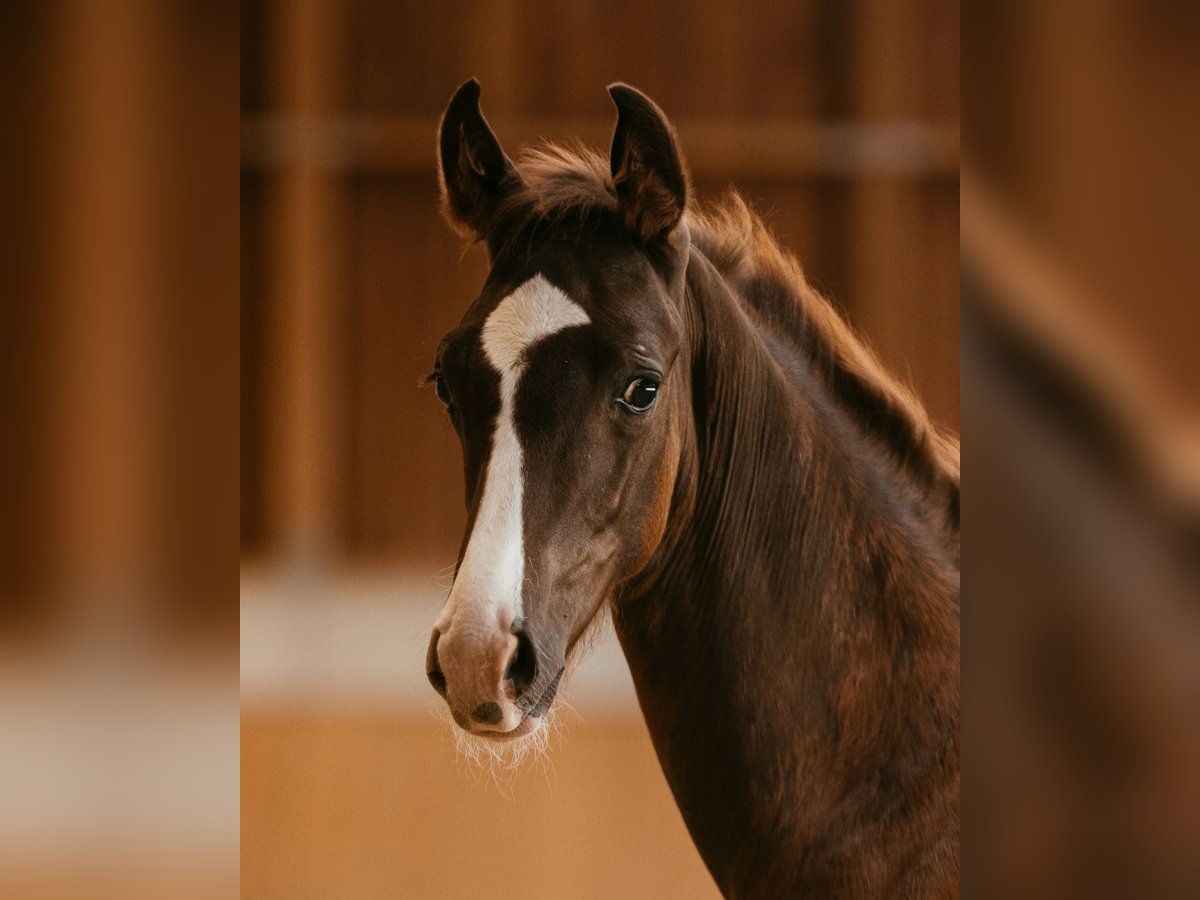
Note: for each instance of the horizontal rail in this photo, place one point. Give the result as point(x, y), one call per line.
point(725, 148)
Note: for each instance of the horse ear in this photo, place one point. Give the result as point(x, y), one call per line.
point(473, 170)
point(647, 166)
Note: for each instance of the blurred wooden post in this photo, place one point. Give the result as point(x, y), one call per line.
point(306, 216)
point(892, 237)
point(107, 464)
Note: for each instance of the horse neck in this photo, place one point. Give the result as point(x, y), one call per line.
point(799, 608)
point(775, 478)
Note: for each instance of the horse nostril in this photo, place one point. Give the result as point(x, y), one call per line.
point(432, 668)
point(522, 667)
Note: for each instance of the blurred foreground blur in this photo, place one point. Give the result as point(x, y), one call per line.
point(1080, 317)
point(118, 483)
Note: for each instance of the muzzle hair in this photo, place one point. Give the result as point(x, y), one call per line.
point(500, 762)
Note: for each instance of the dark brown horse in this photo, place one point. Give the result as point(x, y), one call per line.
point(658, 413)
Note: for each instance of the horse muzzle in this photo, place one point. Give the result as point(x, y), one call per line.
point(489, 679)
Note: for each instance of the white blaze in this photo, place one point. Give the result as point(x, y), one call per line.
point(492, 571)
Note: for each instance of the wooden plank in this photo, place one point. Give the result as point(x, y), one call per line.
point(895, 298)
point(109, 471)
point(411, 284)
point(305, 217)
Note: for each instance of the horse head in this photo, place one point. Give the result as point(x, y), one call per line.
point(567, 384)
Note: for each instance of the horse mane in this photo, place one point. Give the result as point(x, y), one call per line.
point(771, 281)
point(559, 182)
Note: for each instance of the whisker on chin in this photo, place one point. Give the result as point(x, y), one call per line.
point(501, 762)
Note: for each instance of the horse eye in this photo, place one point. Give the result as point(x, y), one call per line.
point(640, 394)
point(443, 392)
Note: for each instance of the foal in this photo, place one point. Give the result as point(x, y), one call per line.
point(657, 412)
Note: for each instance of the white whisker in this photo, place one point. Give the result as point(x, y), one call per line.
point(501, 762)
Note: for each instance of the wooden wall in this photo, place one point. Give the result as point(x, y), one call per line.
point(838, 120)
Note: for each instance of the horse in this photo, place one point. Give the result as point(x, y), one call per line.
point(660, 417)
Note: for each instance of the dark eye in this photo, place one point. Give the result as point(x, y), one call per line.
point(640, 394)
point(443, 392)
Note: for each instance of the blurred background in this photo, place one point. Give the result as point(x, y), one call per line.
point(837, 121)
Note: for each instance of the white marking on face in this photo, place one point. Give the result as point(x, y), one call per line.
point(488, 586)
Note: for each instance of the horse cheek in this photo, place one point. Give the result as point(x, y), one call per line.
point(658, 507)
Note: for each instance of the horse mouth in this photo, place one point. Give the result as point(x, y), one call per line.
point(534, 715)
point(525, 727)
